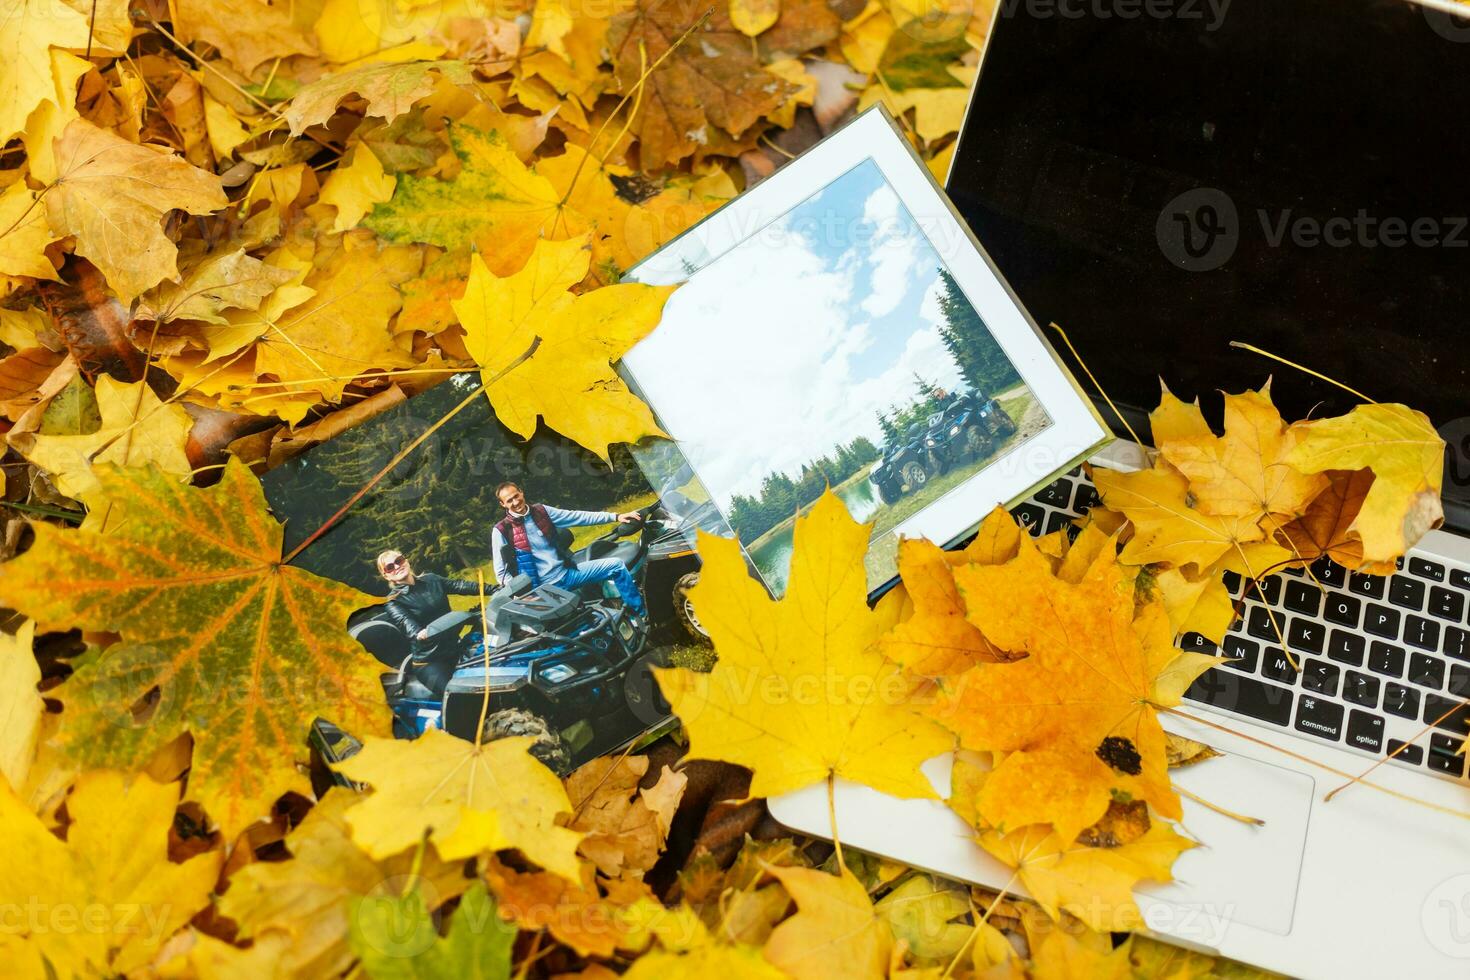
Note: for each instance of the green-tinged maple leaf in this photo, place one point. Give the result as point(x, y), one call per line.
point(390, 90)
point(496, 203)
point(243, 651)
point(712, 79)
point(396, 939)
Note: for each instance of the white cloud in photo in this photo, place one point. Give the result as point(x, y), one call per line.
point(767, 358)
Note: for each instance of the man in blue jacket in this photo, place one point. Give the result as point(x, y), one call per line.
point(530, 540)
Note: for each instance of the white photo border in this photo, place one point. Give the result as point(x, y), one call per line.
point(1076, 430)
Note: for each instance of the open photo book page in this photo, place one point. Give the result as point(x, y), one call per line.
point(583, 570)
point(838, 326)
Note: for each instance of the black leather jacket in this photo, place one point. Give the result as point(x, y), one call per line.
point(412, 607)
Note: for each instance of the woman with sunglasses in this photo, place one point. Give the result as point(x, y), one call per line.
point(417, 599)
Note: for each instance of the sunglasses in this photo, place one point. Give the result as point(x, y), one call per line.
point(395, 564)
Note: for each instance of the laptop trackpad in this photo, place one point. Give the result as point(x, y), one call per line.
point(1239, 873)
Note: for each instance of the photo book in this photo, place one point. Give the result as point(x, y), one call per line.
point(835, 326)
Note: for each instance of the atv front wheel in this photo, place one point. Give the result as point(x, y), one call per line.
point(887, 492)
point(684, 609)
point(914, 475)
point(548, 747)
point(977, 443)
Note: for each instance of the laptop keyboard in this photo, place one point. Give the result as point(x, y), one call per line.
point(1378, 658)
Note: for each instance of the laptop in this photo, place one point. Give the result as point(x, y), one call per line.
point(1160, 186)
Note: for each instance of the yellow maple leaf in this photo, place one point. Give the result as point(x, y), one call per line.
point(137, 429)
point(112, 195)
point(297, 913)
point(469, 798)
point(213, 282)
point(751, 17)
point(1406, 456)
point(49, 119)
point(1068, 951)
point(800, 693)
point(342, 329)
point(1075, 718)
point(1166, 528)
point(104, 900)
point(28, 30)
point(1244, 472)
point(355, 188)
point(835, 931)
point(247, 32)
point(213, 607)
point(568, 379)
point(21, 706)
point(23, 246)
point(687, 950)
point(1093, 883)
point(937, 639)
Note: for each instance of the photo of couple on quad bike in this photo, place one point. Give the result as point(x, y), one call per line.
point(586, 568)
point(568, 630)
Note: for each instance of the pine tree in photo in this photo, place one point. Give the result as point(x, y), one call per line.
point(985, 367)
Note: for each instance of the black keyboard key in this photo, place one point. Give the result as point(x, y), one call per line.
point(1450, 714)
point(1412, 754)
point(1306, 635)
point(1029, 516)
point(1295, 571)
point(1426, 671)
point(1244, 695)
point(1400, 700)
point(1460, 578)
point(1196, 643)
point(1459, 684)
point(1303, 597)
point(1232, 582)
point(1320, 677)
point(1258, 624)
point(1087, 498)
point(1343, 609)
point(1267, 590)
point(1406, 592)
point(1318, 717)
point(1367, 586)
point(1056, 520)
point(1424, 568)
point(1446, 604)
point(1385, 658)
point(1422, 633)
point(1057, 493)
point(1360, 689)
point(1329, 573)
point(1277, 666)
point(1456, 643)
point(1444, 755)
point(1345, 647)
point(1381, 621)
point(1365, 731)
point(1241, 654)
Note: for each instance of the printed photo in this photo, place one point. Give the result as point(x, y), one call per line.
point(832, 347)
point(586, 573)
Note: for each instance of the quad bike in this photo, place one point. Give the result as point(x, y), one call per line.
point(904, 467)
point(969, 428)
point(569, 667)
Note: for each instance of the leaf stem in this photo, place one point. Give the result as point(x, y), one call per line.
point(832, 815)
point(1241, 345)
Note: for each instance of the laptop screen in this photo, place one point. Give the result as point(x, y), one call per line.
point(1161, 179)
